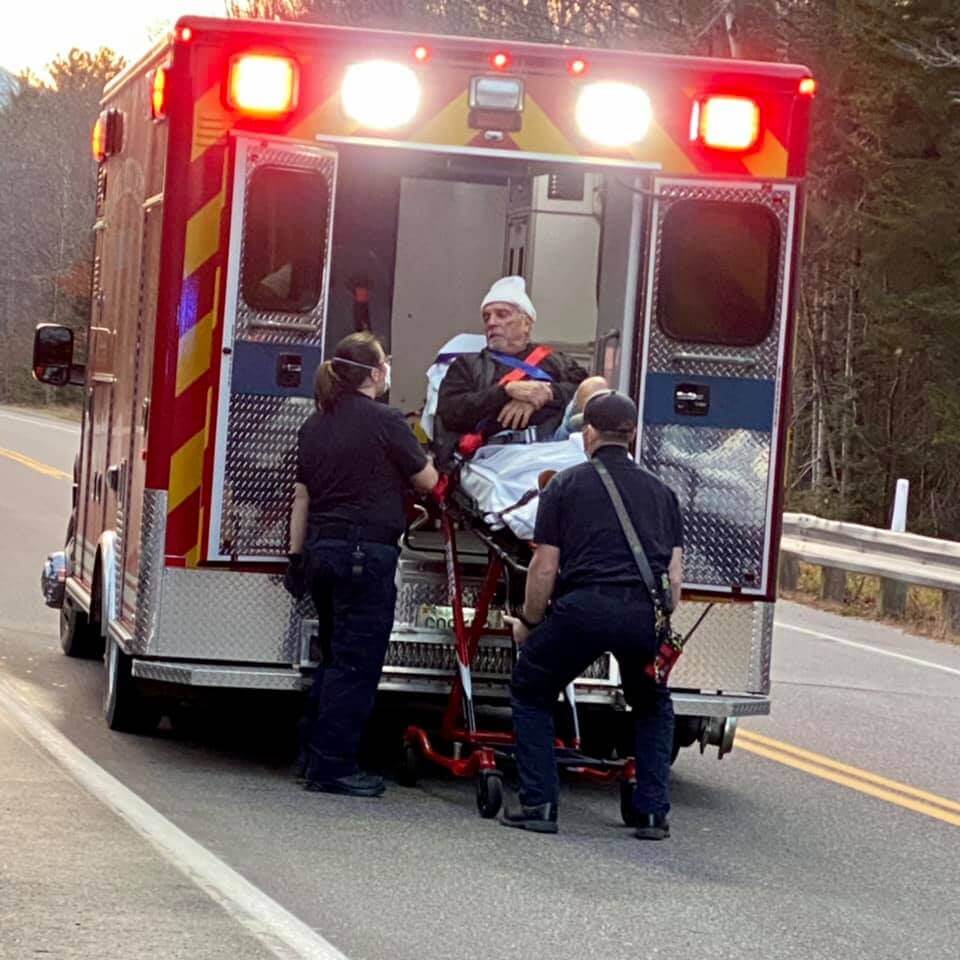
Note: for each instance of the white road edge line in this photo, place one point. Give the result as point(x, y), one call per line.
point(287, 937)
point(41, 422)
point(866, 646)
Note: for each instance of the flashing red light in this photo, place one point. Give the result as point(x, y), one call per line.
point(500, 60)
point(262, 84)
point(421, 54)
point(184, 34)
point(729, 123)
point(159, 92)
point(577, 67)
point(98, 139)
point(808, 87)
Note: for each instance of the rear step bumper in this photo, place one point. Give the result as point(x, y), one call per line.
point(224, 676)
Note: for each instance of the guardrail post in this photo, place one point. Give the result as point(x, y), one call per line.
point(950, 607)
point(893, 598)
point(893, 593)
point(789, 571)
point(833, 584)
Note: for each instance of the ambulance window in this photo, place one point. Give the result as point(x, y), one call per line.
point(718, 272)
point(285, 239)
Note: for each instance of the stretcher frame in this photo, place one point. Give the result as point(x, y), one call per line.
point(475, 752)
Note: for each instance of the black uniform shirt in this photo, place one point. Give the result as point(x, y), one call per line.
point(577, 516)
point(356, 462)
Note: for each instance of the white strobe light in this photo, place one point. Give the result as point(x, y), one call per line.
point(380, 94)
point(614, 114)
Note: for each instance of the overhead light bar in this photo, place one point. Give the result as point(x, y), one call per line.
point(380, 94)
point(614, 114)
point(263, 85)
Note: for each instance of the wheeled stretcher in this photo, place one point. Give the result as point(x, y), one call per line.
point(493, 498)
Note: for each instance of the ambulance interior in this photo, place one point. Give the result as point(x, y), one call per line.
point(428, 234)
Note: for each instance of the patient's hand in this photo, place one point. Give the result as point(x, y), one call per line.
point(516, 414)
point(535, 392)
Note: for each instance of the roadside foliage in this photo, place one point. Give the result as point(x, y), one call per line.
point(878, 356)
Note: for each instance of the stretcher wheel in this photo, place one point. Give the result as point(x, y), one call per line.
point(408, 768)
point(626, 801)
point(489, 794)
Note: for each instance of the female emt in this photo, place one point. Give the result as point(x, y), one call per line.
point(356, 460)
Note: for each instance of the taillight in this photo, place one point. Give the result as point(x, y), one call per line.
point(159, 93)
point(726, 123)
point(263, 85)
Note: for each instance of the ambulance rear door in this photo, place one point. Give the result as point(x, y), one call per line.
point(713, 375)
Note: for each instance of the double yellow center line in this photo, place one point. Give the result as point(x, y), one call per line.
point(26, 461)
point(902, 794)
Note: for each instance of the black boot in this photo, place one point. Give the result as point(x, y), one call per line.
point(651, 826)
point(541, 819)
point(355, 785)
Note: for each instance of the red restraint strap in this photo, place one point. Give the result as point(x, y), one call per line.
point(471, 442)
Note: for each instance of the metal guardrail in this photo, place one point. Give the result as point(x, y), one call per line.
point(899, 559)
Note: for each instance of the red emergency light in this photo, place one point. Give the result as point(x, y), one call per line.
point(726, 122)
point(263, 84)
point(577, 67)
point(500, 60)
point(421, 54)
point(808, 87)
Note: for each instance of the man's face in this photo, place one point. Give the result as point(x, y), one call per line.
point(506, 328)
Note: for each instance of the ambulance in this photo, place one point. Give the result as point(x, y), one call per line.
point(266, 188)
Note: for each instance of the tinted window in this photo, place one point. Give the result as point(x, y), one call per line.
point(718, 276)
point(285, 239)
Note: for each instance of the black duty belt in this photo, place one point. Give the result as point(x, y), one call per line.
point(354, 532)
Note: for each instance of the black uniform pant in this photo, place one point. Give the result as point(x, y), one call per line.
point(582, 625)
point(353, 589)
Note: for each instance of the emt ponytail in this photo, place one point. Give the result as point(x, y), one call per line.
point(360, 353)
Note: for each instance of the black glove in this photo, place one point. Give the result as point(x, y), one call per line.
point(295, 579)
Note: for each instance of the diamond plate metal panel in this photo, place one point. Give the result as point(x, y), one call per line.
point(153, 532)
point(720, 478)
point(300, 328)
point(730, 650)
point(226, 615)
point(261, 466)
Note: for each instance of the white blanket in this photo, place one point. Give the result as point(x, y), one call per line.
point(498, 478)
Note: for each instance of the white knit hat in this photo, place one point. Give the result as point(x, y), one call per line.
point(511, 290)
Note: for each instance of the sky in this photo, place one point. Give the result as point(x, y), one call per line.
point(33, 32)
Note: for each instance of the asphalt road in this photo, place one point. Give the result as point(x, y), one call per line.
point(775, 852)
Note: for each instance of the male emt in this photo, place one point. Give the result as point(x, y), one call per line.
point(583, 561)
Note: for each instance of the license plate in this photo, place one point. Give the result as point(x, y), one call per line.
point(433, 616)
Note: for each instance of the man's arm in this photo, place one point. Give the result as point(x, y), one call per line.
point(298, 517)
point(676, 574)
point(541, 578)
point(426, 479)
point(463, 403)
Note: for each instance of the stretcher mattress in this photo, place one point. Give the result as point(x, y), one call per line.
point(502, 481)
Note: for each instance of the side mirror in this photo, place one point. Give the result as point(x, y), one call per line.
point(53, 356)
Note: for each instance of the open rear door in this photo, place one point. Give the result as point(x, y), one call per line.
point(274, 320)
point(712, 375)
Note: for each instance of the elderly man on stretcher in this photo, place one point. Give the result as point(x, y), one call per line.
point(513, 391)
